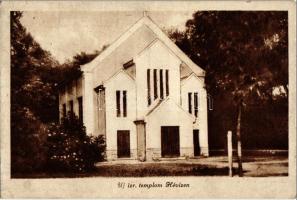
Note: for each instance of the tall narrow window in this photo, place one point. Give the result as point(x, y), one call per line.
point(71, 107)
point(148, 79)
point(155, 85)
point(64, 110)
point(99, 100)
point(167, 79)
point(161, 84)
point(190, 102)
point(118, 99)
point(80, 109)
point(210, 102)
point(125, 103)
point(196, 104)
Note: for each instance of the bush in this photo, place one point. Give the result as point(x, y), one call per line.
point(71, 149)
point(28, 139)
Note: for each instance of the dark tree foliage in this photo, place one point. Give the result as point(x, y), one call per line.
point(71, 69)
point(264, 125)
point(245, 56)
point(31, 70)
point(34, 96)
point(252, 46)
point(32, 99)
point(28, 136)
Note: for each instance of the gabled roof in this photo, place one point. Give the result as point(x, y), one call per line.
point(121, 71)
point(147, 21)
point(161, 103)
point(185, 79)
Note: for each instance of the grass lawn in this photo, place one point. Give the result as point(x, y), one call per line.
point(213, 166)
point(139, 170)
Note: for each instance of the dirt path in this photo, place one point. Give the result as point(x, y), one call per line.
point(256, 166)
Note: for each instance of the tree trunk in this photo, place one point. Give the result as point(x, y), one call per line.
point(238, 134)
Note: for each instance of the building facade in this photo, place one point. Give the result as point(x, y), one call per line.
point(144, 95)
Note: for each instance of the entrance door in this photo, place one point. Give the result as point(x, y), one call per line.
point(170, 141)
point(196, 142)
point(123, 141)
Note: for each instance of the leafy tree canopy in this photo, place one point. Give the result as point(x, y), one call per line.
point(35, 75)
point(245, 56)
point(242, 52)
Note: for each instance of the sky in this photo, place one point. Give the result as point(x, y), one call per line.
point(67, 33)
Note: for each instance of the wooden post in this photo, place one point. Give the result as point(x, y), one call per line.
point(230, 152)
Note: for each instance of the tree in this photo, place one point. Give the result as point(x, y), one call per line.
point(245, 55)
point(30, 87)
point(32, 99)
point(35, 75)
point(70, 70)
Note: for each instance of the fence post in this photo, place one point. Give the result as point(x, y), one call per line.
point(230, 152)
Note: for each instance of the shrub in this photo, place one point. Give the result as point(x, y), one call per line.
point(71, 149)
point(28, 139)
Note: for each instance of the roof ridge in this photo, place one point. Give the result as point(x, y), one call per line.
point(160, 101)
point(145, 20)
point(112, 43)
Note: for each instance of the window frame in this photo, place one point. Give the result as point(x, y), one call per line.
point(118, 103)
point(167, 81)
point(190, 102)
point(210, 102)
point(196, 103)
point(124, 103)
point(64, 110)
point(71, 107)
point(80, 108)
point(155, 84)
point(161, 84)
point(148, 79)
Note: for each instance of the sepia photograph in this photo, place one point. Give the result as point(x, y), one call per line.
point(147, 93)
point(158, 100)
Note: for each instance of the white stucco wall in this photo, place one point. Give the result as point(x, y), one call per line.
point(194, 84)
point(89, 103)
point(69, 92)
point(121, 81)
point(170, 114)
point(156, 56)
